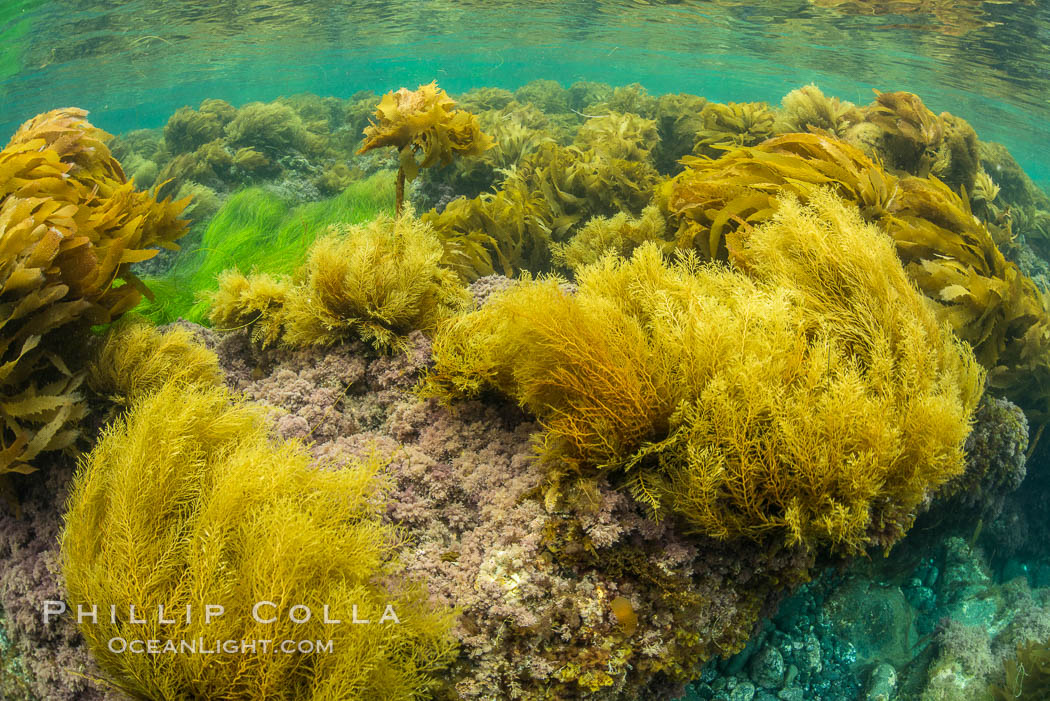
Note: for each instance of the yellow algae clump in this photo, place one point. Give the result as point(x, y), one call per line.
point(377, 282)
point(135, 360)
point(199, 528)
point(810, 396)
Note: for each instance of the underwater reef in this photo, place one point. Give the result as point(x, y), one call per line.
point(610, 395)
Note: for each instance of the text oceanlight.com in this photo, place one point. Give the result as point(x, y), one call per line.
point(200, 646)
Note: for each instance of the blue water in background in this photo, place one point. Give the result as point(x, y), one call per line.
point(132, 64)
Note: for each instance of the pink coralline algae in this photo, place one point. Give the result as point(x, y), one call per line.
point(534, 589)
point(40, 660)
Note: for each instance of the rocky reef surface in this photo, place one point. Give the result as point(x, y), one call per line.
point(608, 602)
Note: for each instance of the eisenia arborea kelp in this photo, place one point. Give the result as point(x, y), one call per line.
point(423, 124)
point(71, 225)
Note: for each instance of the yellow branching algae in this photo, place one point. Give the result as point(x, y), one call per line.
point(376, 282)
point(188, 518)
point(71, 225)
point(257, 301)
point(135, 360)
point(619, 234)
point(733, 124)
point(946, 250)
point(617, 135)
point(808, 108)
point(815, 399)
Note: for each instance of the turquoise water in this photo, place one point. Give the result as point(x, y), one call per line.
point(133, 65)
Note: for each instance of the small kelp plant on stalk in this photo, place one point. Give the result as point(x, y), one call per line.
point(71, 225)
point(815, 400)
point(423, 123)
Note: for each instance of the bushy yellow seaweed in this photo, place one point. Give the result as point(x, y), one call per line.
point(188, 129)
point(268, 126)
point(733, 124)
point(543, 200)
point(899, 130)
point(633, 98)
point(186, 502)
point(209, 165)
point(258, 301)
point(250, 161)
point(808, 108)
point(946, 250)
point(516, 131)
point(504, 231)
point(135, 360)
point(619, 234)
point(548, 95)
point(483, 99)
point(619, 135)
point(678, 118)
point(815, 400)
point(376, 282)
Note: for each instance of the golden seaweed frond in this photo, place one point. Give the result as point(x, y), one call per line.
point(71, 225)
point(619, 234)
point(257, 302)
point(424, 122)
point(617, 135)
